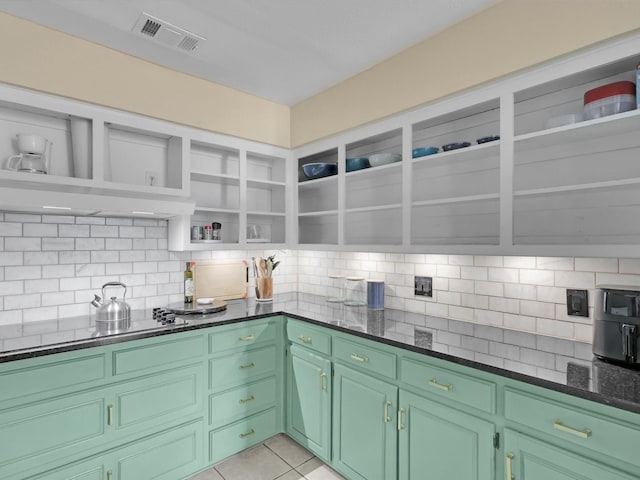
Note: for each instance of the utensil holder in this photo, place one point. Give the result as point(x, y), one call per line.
point(264, 289)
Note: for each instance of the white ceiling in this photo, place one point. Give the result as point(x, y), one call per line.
point(283, 50)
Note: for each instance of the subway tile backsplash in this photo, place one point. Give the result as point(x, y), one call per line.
point(51, 266)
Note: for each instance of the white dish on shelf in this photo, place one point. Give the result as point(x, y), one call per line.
point(378, 159)
point(560, 120)
point(206, 241)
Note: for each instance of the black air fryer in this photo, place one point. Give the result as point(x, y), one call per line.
point(616, 324)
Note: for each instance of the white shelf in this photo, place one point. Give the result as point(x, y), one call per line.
point(319, 214)
point(452, 200)
point(216, 210)
point(214, 178)
point(374, 209)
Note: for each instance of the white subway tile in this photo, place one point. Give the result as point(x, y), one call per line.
point(103, 256)
point(90, 244)
point(118, 269)
point(581, 280)
point(507, 305)
point(156, 255)
point(493, 289)
point(414, 258)
point(74, 257)
point(461, 313)
point(75, 231)
point(135, 279)
point(405, 268)
point(20, 302)
point(119, 221)
point(22, 218)
point(523, 292)
point(552, 294)
point(41, 286)
point(145, 244)
point(474, 273)
point(159, 278)
point(441, 284)
point(59, 219)
point(583, 333)
point(629, 265)
point(450, 298)
point(8, 229)
point(488, 317)
point(426, 270)
point(57, 298)
point(23, 273)
point(448, 271)
point(132, 232)
point(537, 277)
point(466, 260)
point(11, 287)
point(474, 301)
point(554, 328)
point(133, 255)
point(118, 243)
point(58, 271)
point(81, 309)
point(537, 309)
point(617, 279)
point(82, 283)
point(437, 259)
point(414, 306)
point(58, 244)
point(463, 286)
point(488, 261)
point(606, 265)
point(520, 262)
point(505, 275)
point(91, 220)
point(554, 263)
point(41, 258)
point(89, 269)
point(104, 231)
point(22, 244)
point(40, 230)
point(37, 315)
point(11, 258)
point(14, 318)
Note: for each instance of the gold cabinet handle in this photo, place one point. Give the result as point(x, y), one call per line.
point(359, 358)
point(509, 466)
point(434, 383)
point(323, 384)
point(304, 339)
point(247, 338)
point(401, 426)
point(387, 418)
point(248, 434)
point(584, 433)
point(250, 365)
point(109, 474)
point(110, 415)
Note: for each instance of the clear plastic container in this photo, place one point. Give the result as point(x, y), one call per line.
point(355, 292)
point(609, 106)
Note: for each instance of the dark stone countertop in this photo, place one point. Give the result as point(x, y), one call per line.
point(558, 364)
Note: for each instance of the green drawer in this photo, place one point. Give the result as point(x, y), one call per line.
point(243, 434)
point(158, 355)
point(449, 385)
point(241, 367)
point(49, 374)
point(575, 425)
point(246, 335)
point(229, 406)
point(303, 334)
point(364, 356)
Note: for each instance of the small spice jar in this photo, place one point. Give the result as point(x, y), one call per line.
point(217, 231)
point(208, 232)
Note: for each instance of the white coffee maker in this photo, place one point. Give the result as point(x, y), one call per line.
point(34, 155)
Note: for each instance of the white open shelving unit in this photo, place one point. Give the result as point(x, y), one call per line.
point(570, 190)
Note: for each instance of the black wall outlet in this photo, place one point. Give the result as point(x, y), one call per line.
point(423, 286)
point(578, 303)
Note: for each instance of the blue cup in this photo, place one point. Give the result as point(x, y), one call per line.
point(375, 294)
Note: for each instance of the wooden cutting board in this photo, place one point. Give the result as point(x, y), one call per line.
point(222, 281)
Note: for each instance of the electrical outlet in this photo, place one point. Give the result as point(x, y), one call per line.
point(423, 286)
point(151, 178)
point(578, 303)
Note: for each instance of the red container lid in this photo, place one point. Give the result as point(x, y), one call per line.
point(610, 90)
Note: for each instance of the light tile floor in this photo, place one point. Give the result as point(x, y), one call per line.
point(278, 458)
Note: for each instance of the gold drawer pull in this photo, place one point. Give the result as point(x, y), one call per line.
point(109, 474)
point(323, 384)
point(304, 339)
point(434, 383)
point(510, 457)
point(387, 418)
point(244, 367)
point(248, 434)
point(247, 338)
point(358, 358)
point(110, 415)
point(401, 426)
point(247, 400)
point(584, 433)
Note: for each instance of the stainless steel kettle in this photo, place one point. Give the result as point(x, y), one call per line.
point(115, 310)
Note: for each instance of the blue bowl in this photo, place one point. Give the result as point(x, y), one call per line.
point(319, 170)
point(423, 151)
point(357, 163)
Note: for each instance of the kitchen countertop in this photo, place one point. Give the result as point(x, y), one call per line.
point(558, 364)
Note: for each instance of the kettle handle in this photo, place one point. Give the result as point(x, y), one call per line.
point(114, 284)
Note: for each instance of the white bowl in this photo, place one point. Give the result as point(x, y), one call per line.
point(204, 301)
point(378, 159)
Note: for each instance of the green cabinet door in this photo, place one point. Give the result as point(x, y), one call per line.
point(364, 426)
point(527, 458)
point(438, 442)
point(309, 401)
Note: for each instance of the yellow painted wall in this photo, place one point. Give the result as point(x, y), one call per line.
point(43, 59)
point(505, 38)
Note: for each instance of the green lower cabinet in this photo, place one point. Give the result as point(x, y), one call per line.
point(528, 458)
point(170, 455)
point(438, 442)
point(309, 401)
point(364, 426)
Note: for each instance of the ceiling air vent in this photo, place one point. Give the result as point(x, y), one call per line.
point(166, 33)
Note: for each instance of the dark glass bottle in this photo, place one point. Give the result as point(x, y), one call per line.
point(188, 284)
